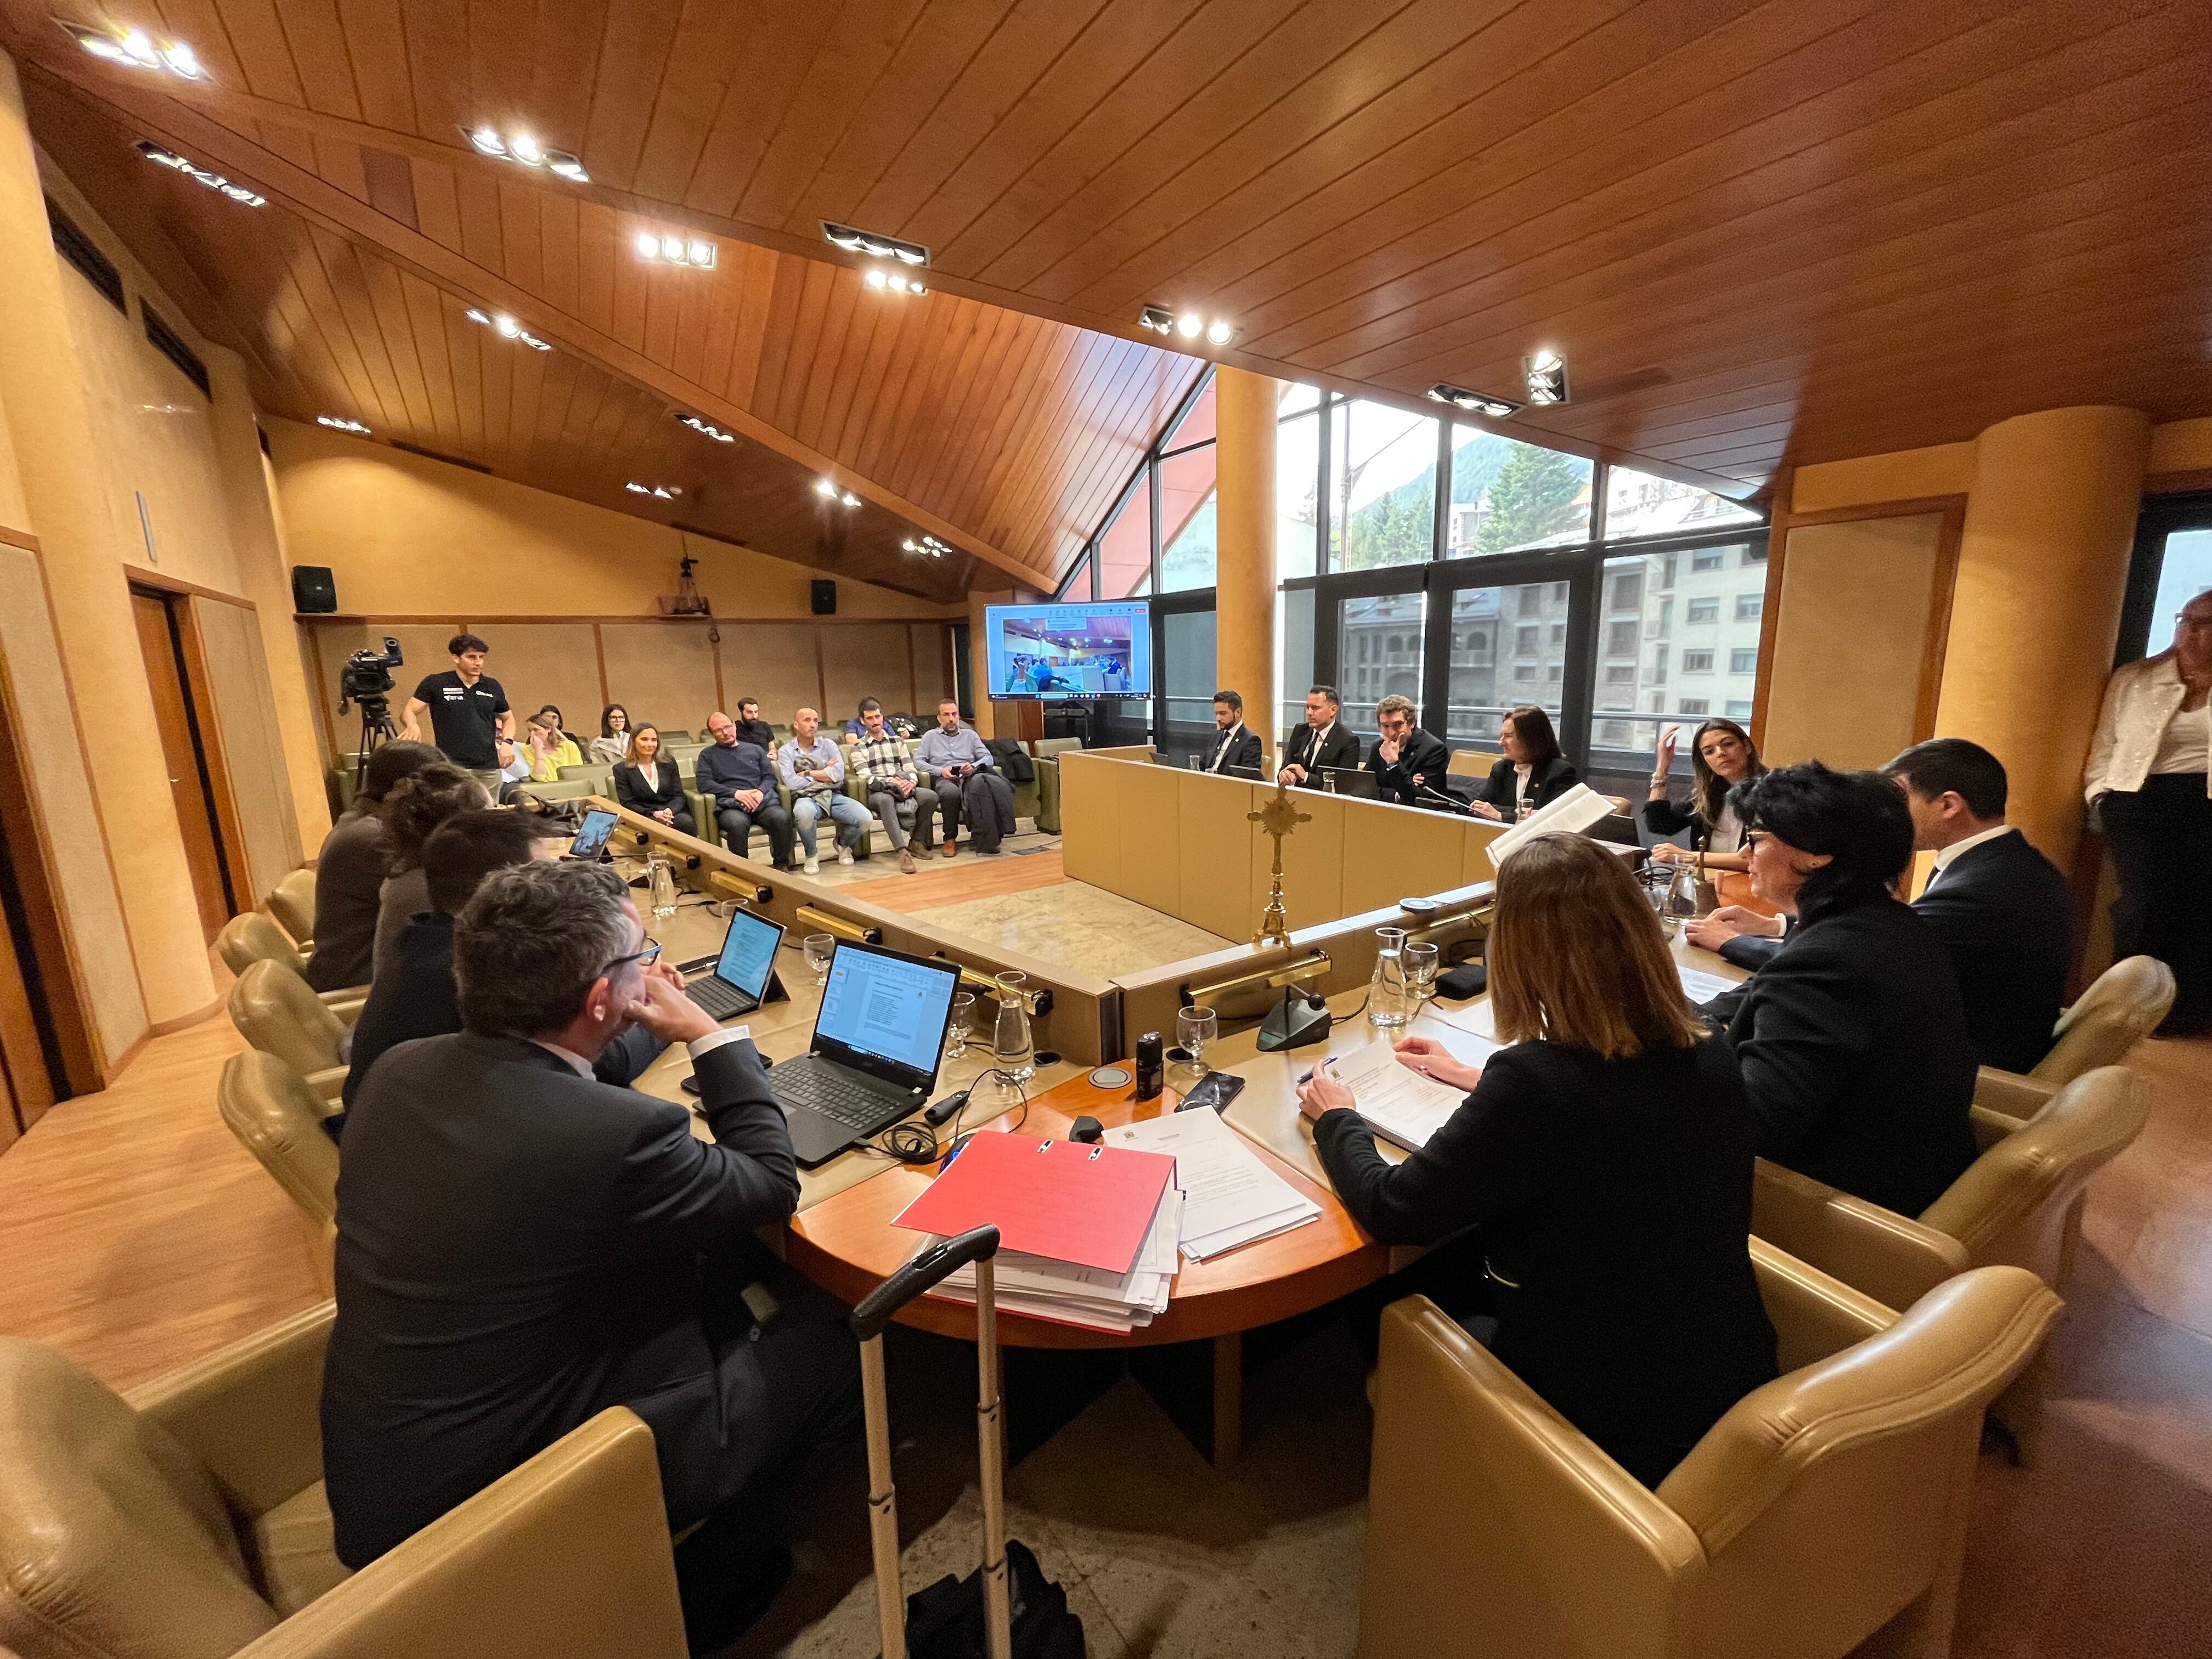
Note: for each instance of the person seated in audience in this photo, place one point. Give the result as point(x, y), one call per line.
point(813, 770)
point(651, 783)
point(895, 791)
point(513, 767)
point(522, 1246)
point(741, 780)
point(1721, 756)
point(966, 779)
point(350, 872)
point(553, 711)
point(416, 806)
point(1232, 748)
point(857, 727)
point(413, 995)
point(1408, 763)
point(1321, 743)
point(1853, 1038)
point(1603, 1159)
point(2001, 909)
point(612, 746)
point(751, 728)
point(547, 749)
point(1533, 773)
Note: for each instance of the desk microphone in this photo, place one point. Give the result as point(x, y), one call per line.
point(1443, 799)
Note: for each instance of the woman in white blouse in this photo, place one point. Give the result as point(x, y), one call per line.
point(2147, 778)
point(1721, 756)
point(612, 746)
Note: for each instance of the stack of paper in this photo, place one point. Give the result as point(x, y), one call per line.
point(1577, 810)
point(1230, 1197)
point(1398, 1103)
point(1702, 987)
point(1068, 1294)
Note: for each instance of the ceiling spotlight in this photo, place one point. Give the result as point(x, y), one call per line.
point(1475, 403)
point(876, 279)
point(823, 486)
point(1190, 324)
point(665, 492)
point(522, 149)
point(214, 181)
point(672, 248)
point(507, 328)
point(908, 544)
point(1547, 376)
point(707, 427)
point(476, 316)
point(897, 281)
point(338, 422)
point(1158, 318)
point(928, 545)
point(1220, 333)
point(850, 499)
point(664, 248)
point(701, 254)
point(648, 246)
point(137, 50)
point(506, 325)
point(875, 246)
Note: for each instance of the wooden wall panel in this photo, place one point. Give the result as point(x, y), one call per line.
point(1313, 860)
point(1421, 854)
point(537, 663)
point(1090, 807)
point(252, 748)
point(1215, 848)
point(931, 644)
point(866, 660)
point(1151, 851)
point(778, 663)
point(663, 672)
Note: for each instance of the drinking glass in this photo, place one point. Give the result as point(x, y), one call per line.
point(1012, 1050)
point(1194, 1029)
point(819, 948)
point(1387, 1002)
point(1421, 961)
point(956, 1030)
point(1193, 763)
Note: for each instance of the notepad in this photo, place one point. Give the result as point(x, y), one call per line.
point(1088, 1205)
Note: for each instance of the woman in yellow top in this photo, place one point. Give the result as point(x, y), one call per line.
point(548, 749)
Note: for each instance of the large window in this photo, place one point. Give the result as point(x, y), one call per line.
point(1125, 551)
point(1638, 504)
point(1507, 496)
point(1382, 487)
point(1481, 683)
point(1632, 683)
point(1378, 654)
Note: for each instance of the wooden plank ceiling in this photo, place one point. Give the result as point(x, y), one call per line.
point(1762, 234)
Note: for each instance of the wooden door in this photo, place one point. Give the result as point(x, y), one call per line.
point(181, 754)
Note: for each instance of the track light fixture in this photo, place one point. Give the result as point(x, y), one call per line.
point(928, 545)
point(1158, 318)
point(897, 282)
point(665, 492)
point(214, 181)
point(707, 427)
point(525, 151)
point(696, 252)
point(827, 489)
point(339, 423)
point(875, 246)
point(1190, 324)
point(506, 328)
point(135, 49)
point(1546, 375)
point(1475, 403)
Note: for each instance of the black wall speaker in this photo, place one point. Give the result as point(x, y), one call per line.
point(825, 598)
point(313, 588)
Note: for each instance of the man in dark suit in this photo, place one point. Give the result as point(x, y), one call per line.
point(1320, 742)
point(1232, 748)
point(2001, 909)
point(1408, 763)
point(522, 1246)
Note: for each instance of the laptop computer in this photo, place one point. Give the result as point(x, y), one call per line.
point(1352, 781)
point(878, 1040)
point(737, 983)
point(592, 835)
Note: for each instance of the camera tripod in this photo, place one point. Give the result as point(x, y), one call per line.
point(376, 727)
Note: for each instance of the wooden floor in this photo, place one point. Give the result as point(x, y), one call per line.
point(136, 1234)
point(941, 881)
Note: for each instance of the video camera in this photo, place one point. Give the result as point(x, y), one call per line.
point(367, 676)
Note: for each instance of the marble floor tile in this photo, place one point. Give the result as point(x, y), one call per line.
point(1075, 925)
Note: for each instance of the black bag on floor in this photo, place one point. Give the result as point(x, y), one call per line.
point(1006, 1607)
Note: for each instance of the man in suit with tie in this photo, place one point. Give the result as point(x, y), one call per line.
point(1320, 742)
point(1232, 749)
point(1408, 763)
point(2001, 907)
point(522, 1246)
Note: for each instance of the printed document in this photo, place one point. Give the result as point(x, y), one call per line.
point(1398, 1103)
point(1230, 1197)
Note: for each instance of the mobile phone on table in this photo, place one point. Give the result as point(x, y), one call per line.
point(1215, 1090)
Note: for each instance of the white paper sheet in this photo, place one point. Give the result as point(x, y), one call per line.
point(1230, 1198)
point(1575, 812)
point(1702, 987)
point(1397, 1102)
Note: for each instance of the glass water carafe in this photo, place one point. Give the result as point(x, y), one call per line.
point(1689, 894)
point(1012, 1050)
point(1389, 1000)
point(660, 879)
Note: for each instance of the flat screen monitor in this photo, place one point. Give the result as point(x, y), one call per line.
point(1057, 652)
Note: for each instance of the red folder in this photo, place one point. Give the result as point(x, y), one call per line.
point(1088, 1205)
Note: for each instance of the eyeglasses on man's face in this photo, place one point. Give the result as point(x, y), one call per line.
point(645, 957)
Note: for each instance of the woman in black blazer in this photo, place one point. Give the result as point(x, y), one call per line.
point(1605, 1158)
point(1534, 774)
point(1853, 1036)
point(649, 782)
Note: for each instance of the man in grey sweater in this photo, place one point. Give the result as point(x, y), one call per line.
point(961, 770)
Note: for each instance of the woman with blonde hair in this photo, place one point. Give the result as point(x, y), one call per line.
point(1603, 1157)
point(547, 748)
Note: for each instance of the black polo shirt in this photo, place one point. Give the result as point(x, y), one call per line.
point(464, 717)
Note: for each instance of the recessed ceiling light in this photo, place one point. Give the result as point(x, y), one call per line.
point(707, 427)
point(214, 181)
point(1219, 332)
point(1546, 373)
point(875, 246)
point(525, 151)
point(895, 281)
point(135, 49)
point(1475, 403)
point(338, 422)
point(507, 328)
point(1190, 324)
point(1158, 318)
point(664, 248)
point(850, 499)
point(824, 488)
point(665, 492)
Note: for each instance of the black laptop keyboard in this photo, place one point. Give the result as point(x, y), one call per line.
point(718, 997)
point(836, 1096)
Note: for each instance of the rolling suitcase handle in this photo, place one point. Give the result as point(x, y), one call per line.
point(928, 1269)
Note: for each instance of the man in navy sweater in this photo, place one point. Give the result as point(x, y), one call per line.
point(741, 779)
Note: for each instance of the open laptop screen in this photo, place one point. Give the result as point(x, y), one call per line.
point(592, 838)
point(748, 952)
point(887, 1006)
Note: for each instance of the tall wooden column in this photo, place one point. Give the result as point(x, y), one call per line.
point(1244, 520)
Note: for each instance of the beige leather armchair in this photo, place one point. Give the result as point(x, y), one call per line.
point(293, 903)
point(2122, 1007)
point(250, 938)
point(275, 1011)
point(278, 1117)
point(1826, 1506)
point(187, 1521)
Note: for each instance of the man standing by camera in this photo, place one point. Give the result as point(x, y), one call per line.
point(468, 712)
